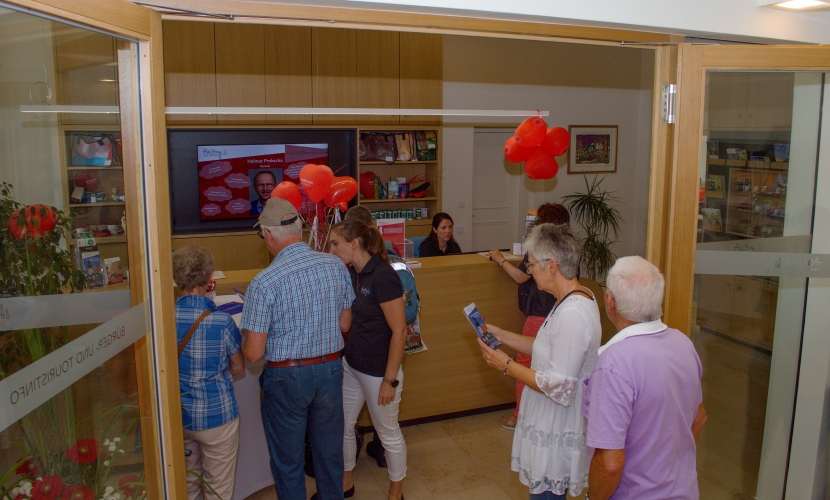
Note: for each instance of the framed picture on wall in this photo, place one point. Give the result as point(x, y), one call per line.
point(593, 149)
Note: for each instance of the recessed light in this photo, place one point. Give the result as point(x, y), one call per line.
point(798, 4)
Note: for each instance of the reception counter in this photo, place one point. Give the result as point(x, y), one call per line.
point(450, 376)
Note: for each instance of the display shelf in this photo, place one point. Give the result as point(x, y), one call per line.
point(98, 204)
point(114, 167)
point(763, 165)
point(105, 239)
point(398, 163)
point(398, 200)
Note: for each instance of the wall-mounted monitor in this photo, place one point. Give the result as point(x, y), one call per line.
point(220, 178)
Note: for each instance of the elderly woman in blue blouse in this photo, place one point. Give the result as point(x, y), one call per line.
point(209, 356)
point(549, 444)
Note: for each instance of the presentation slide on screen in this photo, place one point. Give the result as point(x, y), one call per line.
point(235, 181)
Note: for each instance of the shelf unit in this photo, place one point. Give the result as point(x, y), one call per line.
point(102, 213)
point(429, 170)
point(756, 202)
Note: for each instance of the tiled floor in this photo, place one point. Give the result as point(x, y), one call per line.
point(463, 458)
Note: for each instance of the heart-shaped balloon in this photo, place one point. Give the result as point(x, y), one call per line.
point(556, 141)
point(289, 191)
point(541, 165)
point(515, 153)
point(316, 180)
point(342, 190)
point(531, 132)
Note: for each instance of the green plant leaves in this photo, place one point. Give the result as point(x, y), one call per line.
point(598, 218)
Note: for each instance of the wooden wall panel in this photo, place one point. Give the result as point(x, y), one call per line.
point(378, 73)
point(334, 71)
point(86, 73)
point(240, 69)
point(189, 69)
point(288, 71)
point(231, 252)
point(422, 74)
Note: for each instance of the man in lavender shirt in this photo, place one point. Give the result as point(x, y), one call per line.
point(643, 402)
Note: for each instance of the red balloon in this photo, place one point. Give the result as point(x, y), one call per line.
point(531, 132)
point(316, 180)
point(343, 206)
point(289, 191)
point(342, 190)
point(541, 165)
point(556, 141)
point(515, 153)
point(367, 184)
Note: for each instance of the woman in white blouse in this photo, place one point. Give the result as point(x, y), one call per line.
point(549, 445)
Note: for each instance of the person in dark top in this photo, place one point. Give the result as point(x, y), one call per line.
point(440, 240)
point(374, 350)
point(535, 303)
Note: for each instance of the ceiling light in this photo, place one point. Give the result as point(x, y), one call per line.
point(351, 111)
point(798, 4)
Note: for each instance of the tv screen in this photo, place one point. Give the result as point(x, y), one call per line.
point(220, 179)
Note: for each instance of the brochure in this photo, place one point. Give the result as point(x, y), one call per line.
point(475, 319)
point(231, 308)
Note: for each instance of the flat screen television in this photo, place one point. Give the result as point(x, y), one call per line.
point(219, 178)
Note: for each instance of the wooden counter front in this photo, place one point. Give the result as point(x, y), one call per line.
point(450, 376)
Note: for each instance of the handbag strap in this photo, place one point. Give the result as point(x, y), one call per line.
point(192, 329)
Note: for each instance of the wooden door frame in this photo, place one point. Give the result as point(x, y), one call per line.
point(156, 363)
point(693, 62)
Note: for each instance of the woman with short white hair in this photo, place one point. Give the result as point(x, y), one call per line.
point(549, 444)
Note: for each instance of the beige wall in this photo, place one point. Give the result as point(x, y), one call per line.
point(579, 85)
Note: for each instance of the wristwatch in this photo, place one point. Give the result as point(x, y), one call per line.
point(393, 383)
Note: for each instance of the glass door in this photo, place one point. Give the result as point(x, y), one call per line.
point(79, 416)
point(747, 283)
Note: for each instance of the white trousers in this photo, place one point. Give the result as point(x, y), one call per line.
point(212, 456)
point(357, 389)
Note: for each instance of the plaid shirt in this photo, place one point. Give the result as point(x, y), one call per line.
point(297, 301)
point(204, 376)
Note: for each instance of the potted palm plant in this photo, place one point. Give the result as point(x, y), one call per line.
point(598, 219)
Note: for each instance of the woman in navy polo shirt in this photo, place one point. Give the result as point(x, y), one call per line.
point(374, 350)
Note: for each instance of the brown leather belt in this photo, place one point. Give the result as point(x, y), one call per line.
point(303, 362)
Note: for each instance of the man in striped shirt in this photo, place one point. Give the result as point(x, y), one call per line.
point(295, 311)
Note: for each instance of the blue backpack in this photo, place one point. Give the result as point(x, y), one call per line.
point(410, 292)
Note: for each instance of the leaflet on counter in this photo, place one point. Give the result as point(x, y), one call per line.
point(475, 319)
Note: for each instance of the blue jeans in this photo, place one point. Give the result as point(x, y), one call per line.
point(548, 495)
point(299, 398)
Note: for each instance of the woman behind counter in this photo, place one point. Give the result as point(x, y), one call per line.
point(440, 240)
point(549, 444)
point(209, 356)
point(374, 350)
point(534, 303)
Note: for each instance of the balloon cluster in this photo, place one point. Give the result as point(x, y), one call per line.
point(328, 194)
point(538, 146)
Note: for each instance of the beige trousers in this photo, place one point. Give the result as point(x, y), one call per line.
point(212, 456)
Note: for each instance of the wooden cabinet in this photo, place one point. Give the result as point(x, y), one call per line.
point(740, 101)
point(222, 64)
point(741, 307)
point(716, 294)
point(417, 172)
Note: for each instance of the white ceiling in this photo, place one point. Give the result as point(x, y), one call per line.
point(740, 20)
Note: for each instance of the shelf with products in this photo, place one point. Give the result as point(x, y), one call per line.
point(93, 170)
point(756, 202)
point(398, 200)
point(417, 173)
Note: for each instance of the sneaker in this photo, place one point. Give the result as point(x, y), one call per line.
point(375, 450)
